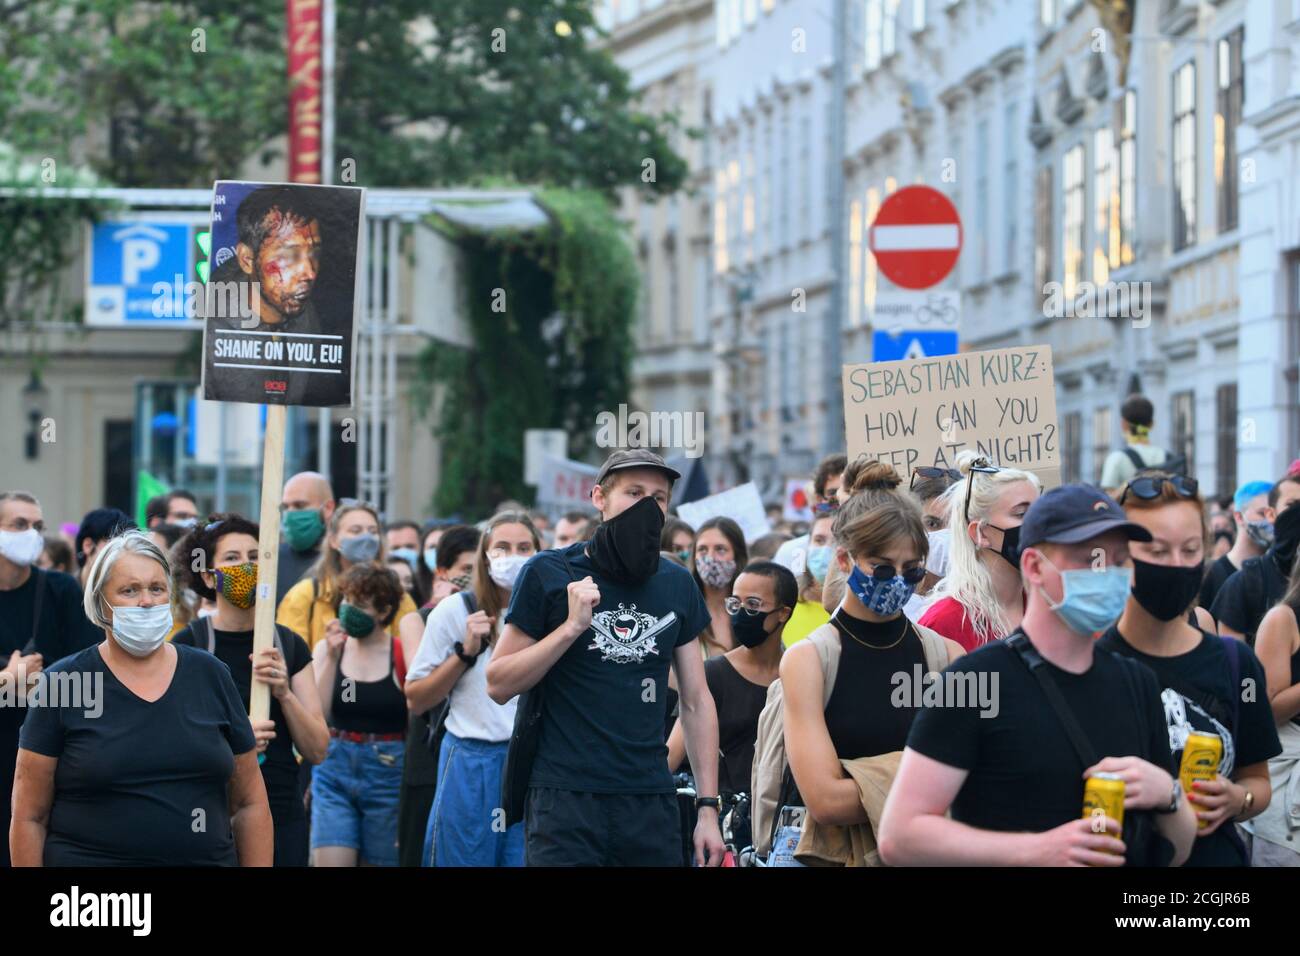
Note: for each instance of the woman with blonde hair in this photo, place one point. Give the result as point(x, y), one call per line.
point(463, 828)
point(352, 538)
point(982, 598)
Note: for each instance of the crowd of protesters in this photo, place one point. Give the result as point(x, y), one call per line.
point(517, 692)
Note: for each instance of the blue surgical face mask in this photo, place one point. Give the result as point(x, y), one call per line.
point(882, 597)
point(819, 562)
point(409, 555)
point(360, 549)
point(141, 630)
point(1093, 600)
point(431, 559)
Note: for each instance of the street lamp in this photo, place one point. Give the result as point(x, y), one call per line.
point(33, 395)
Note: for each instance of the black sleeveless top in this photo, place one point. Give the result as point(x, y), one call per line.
point(376, 707)
point(860, 715)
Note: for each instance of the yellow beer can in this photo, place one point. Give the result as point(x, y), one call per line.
point(1201, 756)
point(1103, 796)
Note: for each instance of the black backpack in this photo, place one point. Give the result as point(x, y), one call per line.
point(438, 726)
point(1174, 464)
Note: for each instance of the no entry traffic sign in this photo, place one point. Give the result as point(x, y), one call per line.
point(916, 237)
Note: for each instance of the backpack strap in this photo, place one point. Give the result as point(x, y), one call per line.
point(38, 600)
point(1134, 457)
point(399, 661)
point(934, 646)
point(1233, 649)
point(1019, 643)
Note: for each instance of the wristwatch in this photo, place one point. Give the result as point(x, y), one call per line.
point(1174, 796)
point(713, 802)
point(469, 659)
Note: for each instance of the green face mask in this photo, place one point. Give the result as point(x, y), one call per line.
point(302, 529)
point(355, 621)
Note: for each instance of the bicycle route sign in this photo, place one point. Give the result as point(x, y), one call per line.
point(911, 325)
point(916, 237)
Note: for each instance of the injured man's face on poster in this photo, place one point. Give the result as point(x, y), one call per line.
point(284, 266)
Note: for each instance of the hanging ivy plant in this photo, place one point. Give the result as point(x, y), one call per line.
point(550, 313)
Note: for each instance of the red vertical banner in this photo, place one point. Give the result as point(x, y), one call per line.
point(304, 22)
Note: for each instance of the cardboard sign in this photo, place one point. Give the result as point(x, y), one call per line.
point(280, 310)
point(742, 505)
point(563, 484)
point(1001, 403)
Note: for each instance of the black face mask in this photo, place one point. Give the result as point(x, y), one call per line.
point(1286, 535)
point(626, 547)
point(1010, 549)
point(1165, 591)
point(750, 629)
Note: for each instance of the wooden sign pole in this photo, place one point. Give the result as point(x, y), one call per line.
point(268, 546)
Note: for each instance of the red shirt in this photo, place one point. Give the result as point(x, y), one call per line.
point(948, 618)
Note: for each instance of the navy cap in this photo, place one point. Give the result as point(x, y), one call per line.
point(1073, 513)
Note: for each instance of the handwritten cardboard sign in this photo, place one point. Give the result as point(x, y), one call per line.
point(1001, 403)
point(742, 504)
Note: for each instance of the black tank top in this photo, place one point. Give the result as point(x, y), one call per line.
point(376, 707)
point(860, 716)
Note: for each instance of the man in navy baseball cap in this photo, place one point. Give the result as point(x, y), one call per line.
point(1004, 786)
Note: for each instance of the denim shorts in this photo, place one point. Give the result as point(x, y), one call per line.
point(467, 823)
point(783, 846)
point(354, 797)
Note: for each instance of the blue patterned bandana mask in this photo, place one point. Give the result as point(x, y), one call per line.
point(883, 597)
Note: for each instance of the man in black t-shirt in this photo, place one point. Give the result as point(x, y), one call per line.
point(1254, 520)
point(600, 622)
point(1014, 779)
point(41, 621)
point(1247, 596)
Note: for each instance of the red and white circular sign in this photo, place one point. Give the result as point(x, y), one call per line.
point(916, 237)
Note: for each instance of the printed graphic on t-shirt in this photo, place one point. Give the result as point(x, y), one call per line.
point(625, 635)
point(1185, 717)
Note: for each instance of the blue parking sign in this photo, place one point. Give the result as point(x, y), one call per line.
point(128, 258)
point(911, 344)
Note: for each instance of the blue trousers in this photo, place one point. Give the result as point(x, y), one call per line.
point(467, 824)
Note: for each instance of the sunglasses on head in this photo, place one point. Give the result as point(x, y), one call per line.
point(1150, 487)
point(970, 485)
point(925, 471)
point(883, 572)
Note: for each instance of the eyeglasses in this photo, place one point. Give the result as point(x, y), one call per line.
point(826, 507)
point(952, 474)
point(734, 604)
point(1150, 487)
point(883, 572)
point(970, 484)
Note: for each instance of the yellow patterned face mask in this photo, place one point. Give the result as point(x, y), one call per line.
point(238, 583)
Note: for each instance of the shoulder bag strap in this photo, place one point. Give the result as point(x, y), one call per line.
point(1037, 667)
point(37, 602)
point(1135, 458)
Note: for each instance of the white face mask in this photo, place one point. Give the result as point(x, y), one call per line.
point(940, 542)
point(141, 630)
point(22, 547)
point(505, 569)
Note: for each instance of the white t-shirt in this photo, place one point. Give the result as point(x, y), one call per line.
point(473, 713)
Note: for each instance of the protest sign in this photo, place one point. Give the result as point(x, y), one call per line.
point(1000, 403)
point(742, 505)
point(563, 484)
point(797, 506)
point(280, 310)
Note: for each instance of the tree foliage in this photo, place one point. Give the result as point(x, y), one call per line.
point(448, 92)
point(550, 315)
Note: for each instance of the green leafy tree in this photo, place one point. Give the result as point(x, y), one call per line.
point(449, 92)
